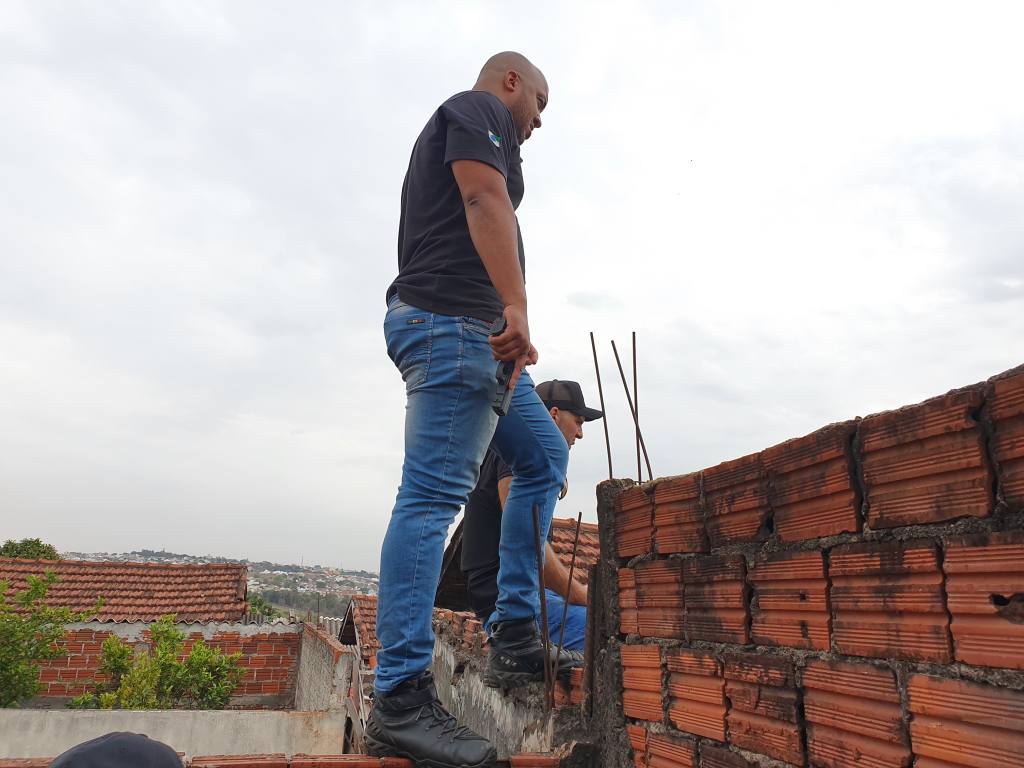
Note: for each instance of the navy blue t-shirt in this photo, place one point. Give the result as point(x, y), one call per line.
point(439, 269)
point(481, 523)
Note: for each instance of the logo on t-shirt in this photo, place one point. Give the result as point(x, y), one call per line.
point(495, 138)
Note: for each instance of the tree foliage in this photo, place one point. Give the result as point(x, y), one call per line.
point(329, 605)
point(33, 549)
point(30, 632)
point(260, 606)
point(164, 677)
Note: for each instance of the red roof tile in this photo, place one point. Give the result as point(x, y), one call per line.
point(563, 534)
point(362, 613)
point(138, 591)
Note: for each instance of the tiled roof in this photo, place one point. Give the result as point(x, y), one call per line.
point(138, 591)
point(563, 533)
point(360, 628)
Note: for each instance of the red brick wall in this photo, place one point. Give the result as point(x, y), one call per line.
point(269, 660)
point(854, 597)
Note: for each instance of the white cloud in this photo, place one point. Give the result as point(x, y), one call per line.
point(808, 212)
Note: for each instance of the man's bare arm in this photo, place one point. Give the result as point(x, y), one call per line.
point(556, 575)
point(492, 226)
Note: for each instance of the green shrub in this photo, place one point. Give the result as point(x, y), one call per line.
point(85, 701)
point(164, 677)
point(30, 632)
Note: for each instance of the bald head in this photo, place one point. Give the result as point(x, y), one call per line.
point(499, 64)
point(520, 85)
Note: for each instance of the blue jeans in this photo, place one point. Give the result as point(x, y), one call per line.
point(448, 369)
point(575, 622)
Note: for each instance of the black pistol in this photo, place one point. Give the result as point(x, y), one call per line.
point(502, 391)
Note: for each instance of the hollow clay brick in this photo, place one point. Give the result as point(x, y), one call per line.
point(960, 723)
point(678, 521)
point(641, 682)
point(789, 605)
point(1007, 413)
point(696, 690)
point(668, 751)
point(627, 602)
point(762, 699)
point(985, 595)
point(348, 761)
point(716, 599)
point(637, 735)
point(277, 760)
point(887, 601)
point(722, 757)
point(853, 716)
point(926, 463)
point(659, 598)
point(810, 490)
point(633, 521)
point(736, 501)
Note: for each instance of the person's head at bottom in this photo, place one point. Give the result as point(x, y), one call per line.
point(119, 750)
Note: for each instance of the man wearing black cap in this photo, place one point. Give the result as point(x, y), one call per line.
point(509, 664)
point(119, 750)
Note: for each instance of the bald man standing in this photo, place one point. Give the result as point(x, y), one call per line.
point(461, 266)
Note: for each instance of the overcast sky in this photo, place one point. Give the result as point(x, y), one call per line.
point(807, 211)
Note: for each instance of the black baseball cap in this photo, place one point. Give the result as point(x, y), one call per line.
point(119, 750)
point(567, 396)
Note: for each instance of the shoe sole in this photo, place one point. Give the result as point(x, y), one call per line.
point(508, 680)
point(379, 749)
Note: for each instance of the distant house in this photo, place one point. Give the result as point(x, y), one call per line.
point(138, 591)
point(359, 629)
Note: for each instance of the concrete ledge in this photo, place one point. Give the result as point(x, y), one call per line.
point(45, 733)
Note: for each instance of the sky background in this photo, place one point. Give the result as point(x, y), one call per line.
point(806, 211)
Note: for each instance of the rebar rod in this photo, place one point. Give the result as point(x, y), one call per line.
point(548, 685)
point(600, 394)
point(568, 589)
point(636, 408)
point(632, 412)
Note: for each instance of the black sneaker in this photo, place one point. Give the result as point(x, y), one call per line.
point(410, 722)
point(517, 655)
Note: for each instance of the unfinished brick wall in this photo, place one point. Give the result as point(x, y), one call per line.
point(854, 597)
point(269, 660)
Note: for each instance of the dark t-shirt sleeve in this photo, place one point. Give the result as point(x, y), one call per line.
point(503, 469)
point(476, 130)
